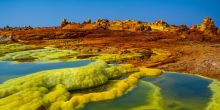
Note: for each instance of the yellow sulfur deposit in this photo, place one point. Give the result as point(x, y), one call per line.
point(13, 47)
point(156, 101)
point(160, 54)
point(214, 103)
point(52, 89)
point(91, 75)
point(39, 54)
point(120, 88)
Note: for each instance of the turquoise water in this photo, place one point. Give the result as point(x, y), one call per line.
point(140, 96)
point(183, 91)
point(177, 92)
point(10, 70)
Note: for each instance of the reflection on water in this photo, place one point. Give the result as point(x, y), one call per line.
point(169, 91)
point(140, 97)
point(178, 92)
point(10, 70)
point(182, 91)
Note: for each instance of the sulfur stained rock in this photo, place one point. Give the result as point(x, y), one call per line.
point(102, 23)
point(116, 25)
point(208, 27)
point(161, 23)
point(131, 25)
point(142, 27)
point(64, 22)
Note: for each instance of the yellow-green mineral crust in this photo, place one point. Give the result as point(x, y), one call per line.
point(214, 103)
point(52, 89)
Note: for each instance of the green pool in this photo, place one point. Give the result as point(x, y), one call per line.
point(176, 92)
point(169, 91)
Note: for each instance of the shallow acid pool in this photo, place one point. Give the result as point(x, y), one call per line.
point(176, 92)
point(183, 91)
point(169, 91)
point(10, 70)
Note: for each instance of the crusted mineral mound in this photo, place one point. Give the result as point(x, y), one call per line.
point(102, 24)
point(94, 74)
point(54, 89)
point(160, 25)
point(207, 27)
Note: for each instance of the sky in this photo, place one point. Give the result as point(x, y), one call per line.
point(50, 12)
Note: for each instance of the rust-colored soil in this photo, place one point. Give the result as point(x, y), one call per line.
point(189, 51)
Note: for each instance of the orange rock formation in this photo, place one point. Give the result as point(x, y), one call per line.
point(207, 27)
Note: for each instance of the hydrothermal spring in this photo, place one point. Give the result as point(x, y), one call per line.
point(12, 69)
point(169, 91)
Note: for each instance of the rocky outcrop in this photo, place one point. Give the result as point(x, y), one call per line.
point(160, 25)
point(128, 25)
point(102, 24)
point(207, 27)
point(9, 28)
point(64, 22)
point(133, 25)
point(116, 25)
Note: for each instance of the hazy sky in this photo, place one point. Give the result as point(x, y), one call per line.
point(51, 12)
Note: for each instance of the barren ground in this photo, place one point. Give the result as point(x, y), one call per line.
point(189, 53)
